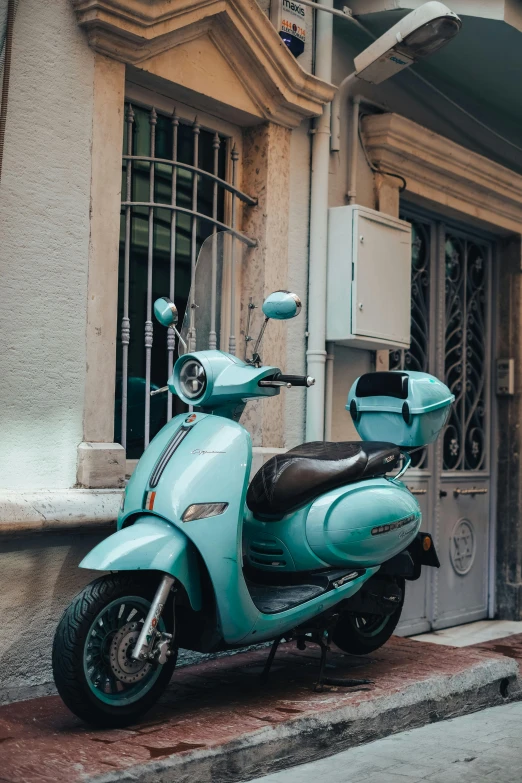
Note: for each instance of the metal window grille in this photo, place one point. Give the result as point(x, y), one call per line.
point(417, 356)
point(175, 193)
point(462, 358)
point(466, 350)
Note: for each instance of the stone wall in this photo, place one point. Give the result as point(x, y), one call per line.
point(39, 576)
point(509, 484)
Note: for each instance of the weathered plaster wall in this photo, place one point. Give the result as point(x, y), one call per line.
point(44, 219)
point(38, 578)
point(44, 214)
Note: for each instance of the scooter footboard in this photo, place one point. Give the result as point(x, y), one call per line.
point(150, 544)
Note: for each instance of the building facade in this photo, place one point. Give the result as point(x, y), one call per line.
point(133, 132)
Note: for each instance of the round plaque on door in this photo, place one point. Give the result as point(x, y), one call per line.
point(462, 547)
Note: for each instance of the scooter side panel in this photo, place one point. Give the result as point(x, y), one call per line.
point(150, 544)
point(363, 524)
point(336, 528)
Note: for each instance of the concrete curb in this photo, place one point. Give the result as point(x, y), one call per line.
point(302, 739)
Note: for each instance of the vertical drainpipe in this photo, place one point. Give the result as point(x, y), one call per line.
point(316, 351)
point(335, 146)
point(328, 405)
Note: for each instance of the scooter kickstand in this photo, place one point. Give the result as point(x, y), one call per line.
point(270, 659)
point(325, 648)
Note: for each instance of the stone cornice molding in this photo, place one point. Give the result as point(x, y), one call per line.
point(444, 172)
point(134, 31)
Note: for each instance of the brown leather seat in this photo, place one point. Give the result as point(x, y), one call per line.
point(290, 480)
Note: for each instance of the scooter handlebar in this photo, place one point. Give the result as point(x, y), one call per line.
point(280, 379)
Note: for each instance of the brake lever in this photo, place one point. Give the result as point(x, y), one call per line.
point(275, 384)
point(159, 391)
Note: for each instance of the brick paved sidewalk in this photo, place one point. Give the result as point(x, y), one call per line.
point(218, 723)
point(510, 647)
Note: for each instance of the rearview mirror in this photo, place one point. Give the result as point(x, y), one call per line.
point(166, 311)
point(282, 305)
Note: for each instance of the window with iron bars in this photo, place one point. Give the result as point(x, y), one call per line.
point(175, 193)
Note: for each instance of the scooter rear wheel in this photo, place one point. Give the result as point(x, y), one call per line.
point(360, 634)
point(92, 666)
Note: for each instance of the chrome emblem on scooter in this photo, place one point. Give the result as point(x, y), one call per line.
point(376, 531)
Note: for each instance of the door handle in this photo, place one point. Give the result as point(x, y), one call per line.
point(418, 491)
point(473, 491)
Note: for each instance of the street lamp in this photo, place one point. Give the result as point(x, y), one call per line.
point(419, 34)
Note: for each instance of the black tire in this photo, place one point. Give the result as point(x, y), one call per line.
point(72, 634)
point(359, 634)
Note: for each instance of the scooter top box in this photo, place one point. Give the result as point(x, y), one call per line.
point(405, 408)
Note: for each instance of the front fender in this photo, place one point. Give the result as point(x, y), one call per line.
point(150, 544)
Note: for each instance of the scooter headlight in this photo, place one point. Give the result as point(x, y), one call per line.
point(192, 379)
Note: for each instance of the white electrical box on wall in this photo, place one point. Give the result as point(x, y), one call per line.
point(369, 279)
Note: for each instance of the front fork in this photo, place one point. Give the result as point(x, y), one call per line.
point(144, 648)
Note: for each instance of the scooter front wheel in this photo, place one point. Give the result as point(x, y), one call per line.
point(93, 669)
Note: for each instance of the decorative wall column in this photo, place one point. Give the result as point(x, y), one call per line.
point(101, 463)
point(509, 484)
point(266, 172)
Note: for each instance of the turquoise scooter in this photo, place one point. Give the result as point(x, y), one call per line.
point(316, 547)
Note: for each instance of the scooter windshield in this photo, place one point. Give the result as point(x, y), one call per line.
point(212, 315)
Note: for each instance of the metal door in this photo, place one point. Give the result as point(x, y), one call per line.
point(451, 338)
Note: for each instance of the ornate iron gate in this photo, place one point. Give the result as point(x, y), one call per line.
point(451, 338)
point(179, 185)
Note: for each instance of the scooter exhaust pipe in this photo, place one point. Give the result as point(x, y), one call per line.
point(148, 633)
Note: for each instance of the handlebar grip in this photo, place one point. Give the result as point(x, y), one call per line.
point(295, 380)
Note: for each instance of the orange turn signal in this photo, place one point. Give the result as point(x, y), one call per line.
point(426, 543)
